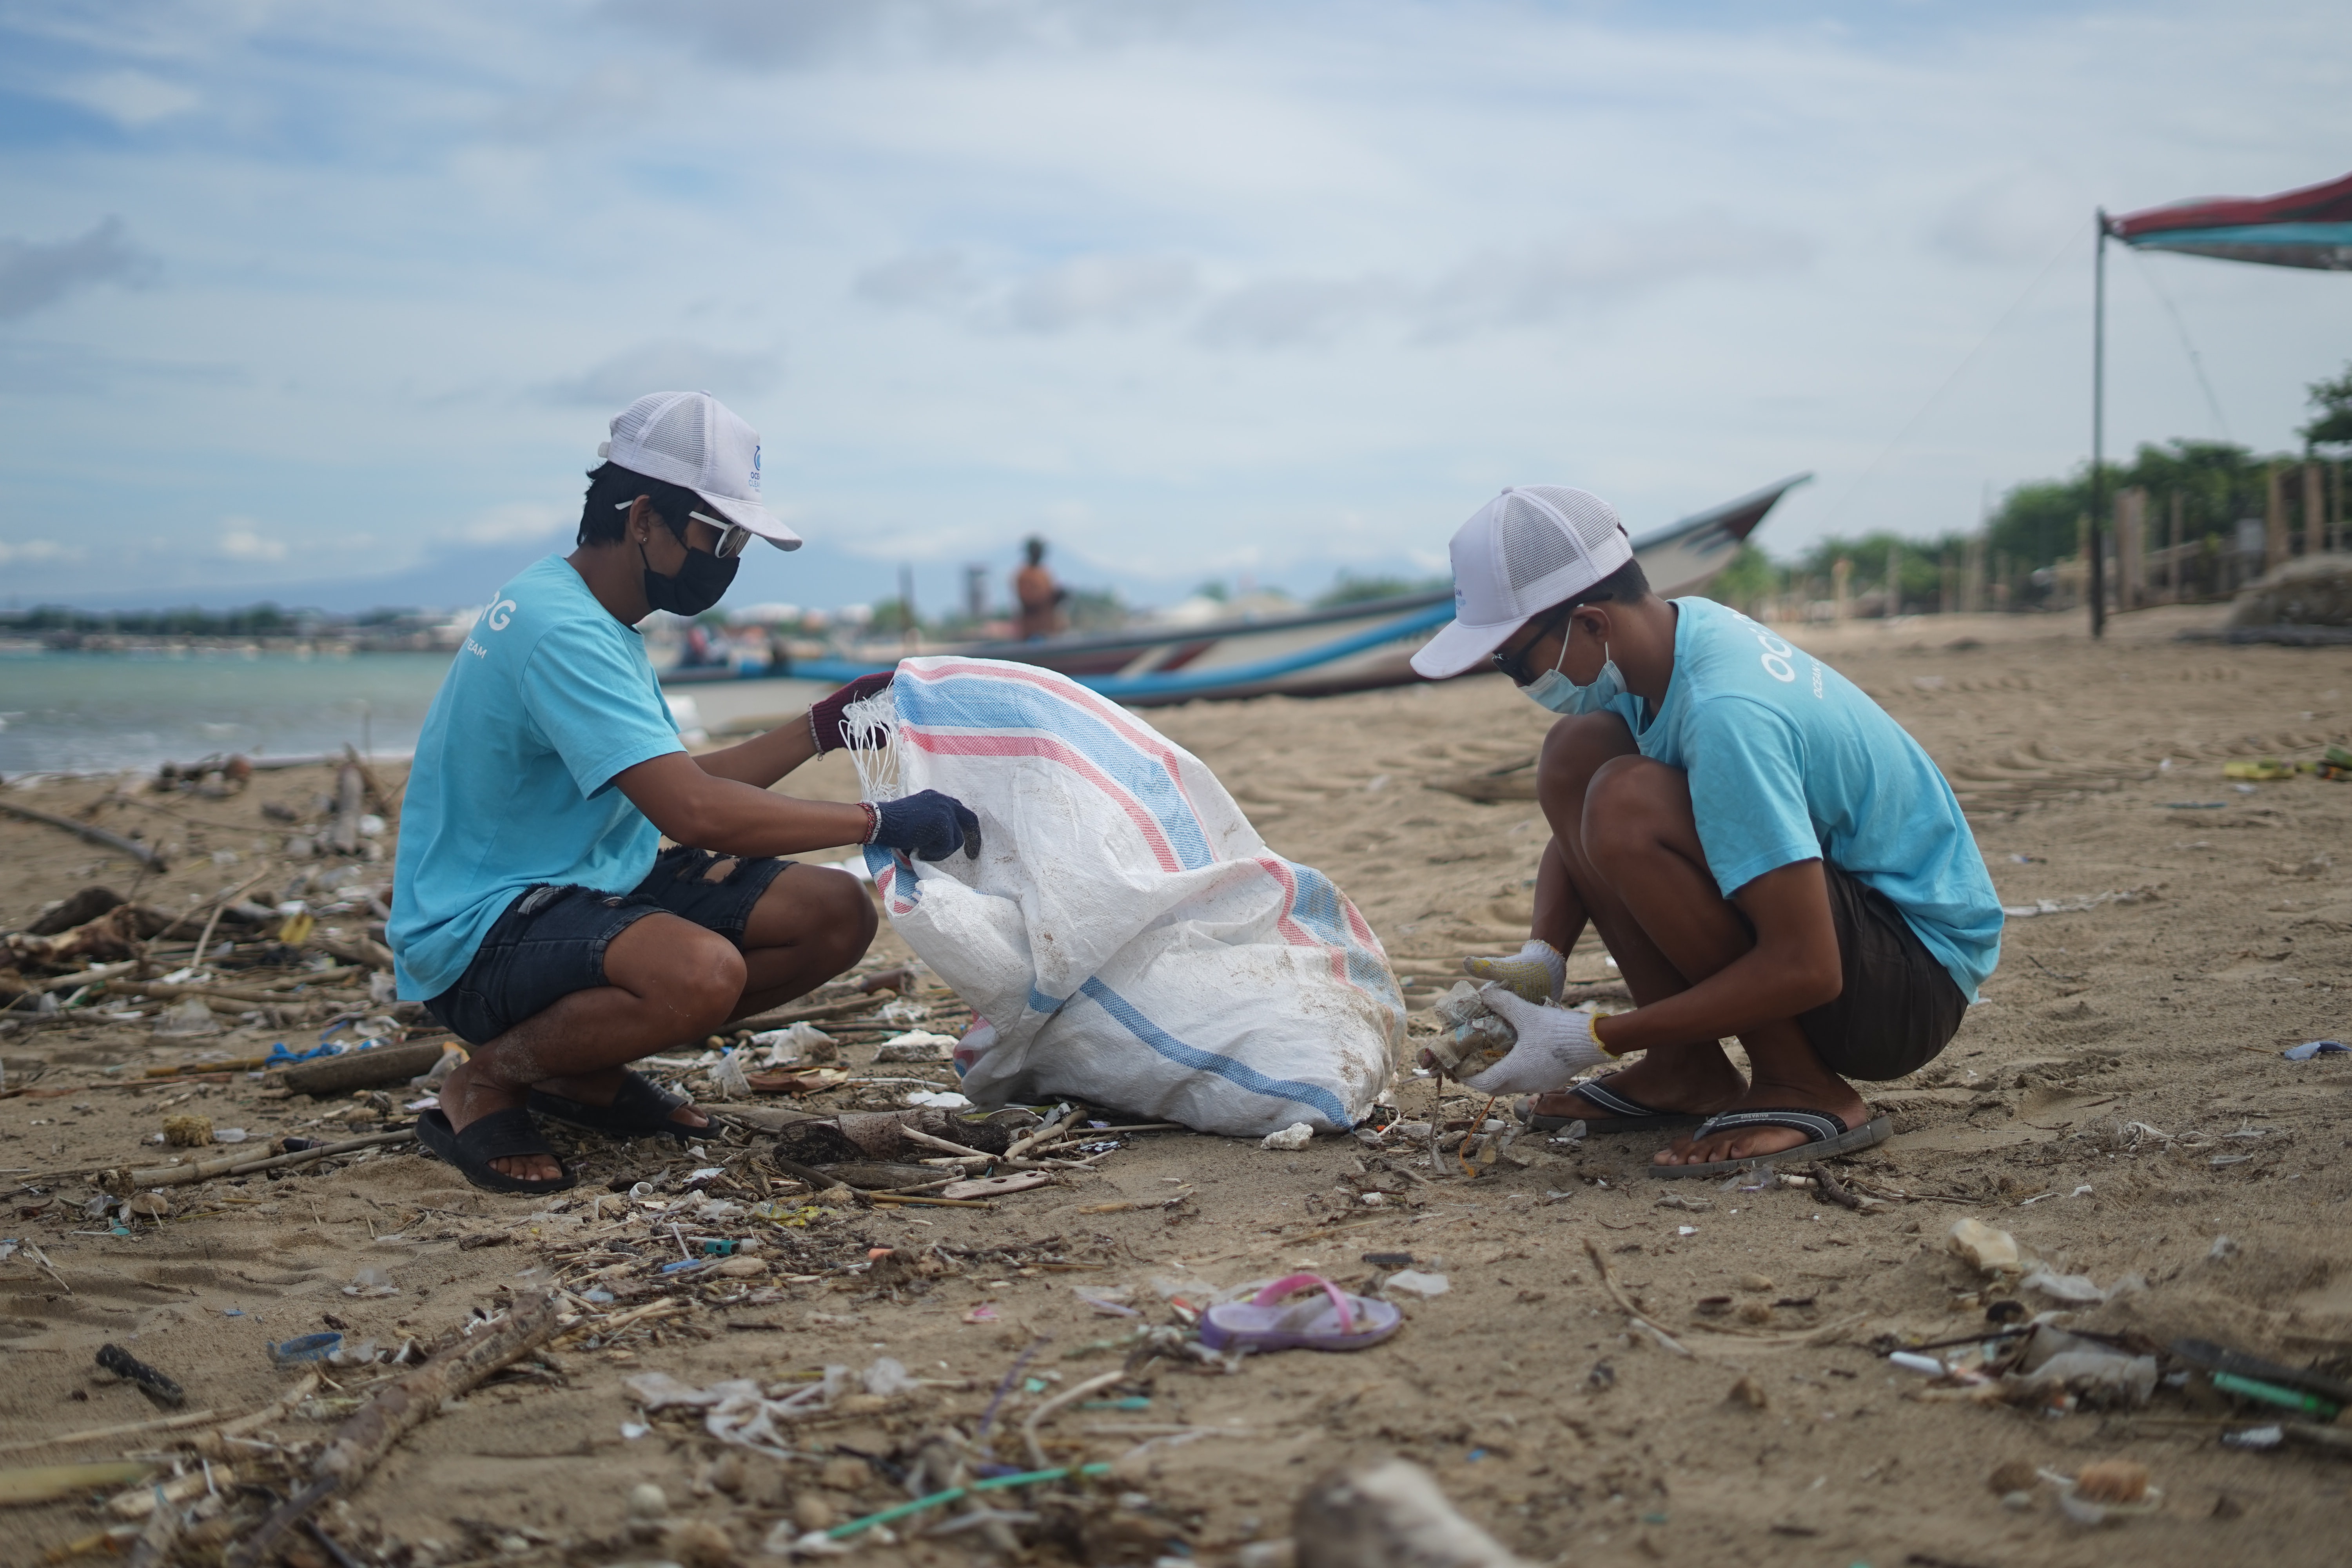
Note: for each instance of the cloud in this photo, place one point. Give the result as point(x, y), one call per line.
point(927, 280)
point(132, 98)
point(1101, 291)
point(667, 365)
point(1292, 313)
point(1501, 288)
point(516, 521)
point(33, 552)
point(34, 273)
point(240, 541)
point(2016, 218)
point(772, 35)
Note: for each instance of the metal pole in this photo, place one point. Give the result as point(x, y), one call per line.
point(2098, 423)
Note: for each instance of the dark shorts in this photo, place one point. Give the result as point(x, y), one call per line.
point(552, 940)
point(1899, 1008)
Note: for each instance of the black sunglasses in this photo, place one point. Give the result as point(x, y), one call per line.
point(1514, 664)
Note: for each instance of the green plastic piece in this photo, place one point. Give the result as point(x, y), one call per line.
point(1026, 1477)
point(2272, 1394)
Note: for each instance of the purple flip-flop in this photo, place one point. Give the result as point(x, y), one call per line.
point(1332, 1321)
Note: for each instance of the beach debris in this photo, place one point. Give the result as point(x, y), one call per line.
point(2145, 892)
point(2104, 1490)
point(2314, 1393)
point(2310, 1048)
point(1912, 1361)
point(1295, 1137)
point(155, 1384)
point(306, 1347)
point(939, 1099)
point(1749, 1392)
point(2258, 770)
point(241, 1164)
point(739, 1411)
point(186, 1132)
point(728, 1079)
point(915, 1045)
point(2011, 1476)
point(88, 832)
point(2057, 1363)
point(33, 1484)
point(2079, 1290)
point(189, 1019)
point(1416, 1282)
point(369, 1066)
point(1989, 1250)
point(1388, 1515)
point(997, 1186)
point(370, 1281)
point(397, 1408)
point(793, 1044)
point(1475, 1038)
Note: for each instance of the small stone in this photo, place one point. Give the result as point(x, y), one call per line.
point(1755, 1311)
point(647, 1501)
point(846, 1474)
point(698, 1544)
point(2013, 1475)
point(2112, 1481)
point(1757, 1282)
point(1751, 1393)
point(811, 1511)
point(149, 1205)
point(741, 1268)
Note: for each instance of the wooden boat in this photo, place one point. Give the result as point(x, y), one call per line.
point(1315, 653)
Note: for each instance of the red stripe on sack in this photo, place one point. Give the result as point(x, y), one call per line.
point(1054, 751)
point(1109, 713)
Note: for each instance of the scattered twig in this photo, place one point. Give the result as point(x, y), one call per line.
point(240, 1165)
point(43, 1259)
point(1617, 1294)
point(407, 1402)
point(98, 1433)
point(85, 831)
point(1832, 1189)
point(1029, 1428)
point(212, 921)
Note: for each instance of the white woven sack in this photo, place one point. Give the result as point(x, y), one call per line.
point(1125, 933)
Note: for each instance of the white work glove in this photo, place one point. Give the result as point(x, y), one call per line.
point(1555, 1045)
point(1538, 972)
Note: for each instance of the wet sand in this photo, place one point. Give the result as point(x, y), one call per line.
point(2117, 1103)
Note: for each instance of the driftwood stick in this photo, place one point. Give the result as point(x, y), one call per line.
point(378, 1426)
point(97, 1434)
point(86, 831)
point(235, 1165)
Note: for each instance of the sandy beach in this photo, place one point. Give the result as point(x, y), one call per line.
point(2117, 1103)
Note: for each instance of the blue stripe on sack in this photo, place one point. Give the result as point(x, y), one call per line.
point(1317, 906)
point(1223, 1066)
point(993, 702)
point(1049, 1005)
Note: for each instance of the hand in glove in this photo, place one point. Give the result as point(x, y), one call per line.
point(1538, 972)
point(1555, 1044)
point(929, 826)
point(825, 714)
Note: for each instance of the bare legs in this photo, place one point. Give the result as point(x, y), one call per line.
point(1625, 855)
point(667, 981)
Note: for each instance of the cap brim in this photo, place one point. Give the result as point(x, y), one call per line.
point(1458, 649)
point(750, 514)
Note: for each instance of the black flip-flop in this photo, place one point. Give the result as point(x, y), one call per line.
point(638, 1110)
point(1824, 1135)
point(501, 1135)
point(1626, 1114)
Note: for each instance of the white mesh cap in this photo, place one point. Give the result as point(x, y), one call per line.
point(691, 439)
point(1530, 548)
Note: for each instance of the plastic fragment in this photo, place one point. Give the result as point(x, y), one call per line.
point(2310, 1048)
point(1295, 1136)
point(1414, 1282)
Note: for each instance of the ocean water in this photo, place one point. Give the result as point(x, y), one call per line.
point(96, 712)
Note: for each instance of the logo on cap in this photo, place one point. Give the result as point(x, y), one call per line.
point(755, 469)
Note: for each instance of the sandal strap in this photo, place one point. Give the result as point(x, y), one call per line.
point(502, 1136)
point(1818, 1126)
point(1597, 1092)
point(1293, 1284)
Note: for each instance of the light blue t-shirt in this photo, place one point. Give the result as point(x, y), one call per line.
point(1788, 761)
point(547, 700)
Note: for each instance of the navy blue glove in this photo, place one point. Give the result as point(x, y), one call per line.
point(929, 825)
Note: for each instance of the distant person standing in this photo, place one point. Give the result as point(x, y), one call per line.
point(1039, 595)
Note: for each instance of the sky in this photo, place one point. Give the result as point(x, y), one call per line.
point(331, 302)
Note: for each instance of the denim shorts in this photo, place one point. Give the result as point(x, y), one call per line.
point(1900, 1006)
point(550, 942)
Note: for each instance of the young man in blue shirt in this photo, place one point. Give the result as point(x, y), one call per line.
point(1764, 852)
point(534, 911)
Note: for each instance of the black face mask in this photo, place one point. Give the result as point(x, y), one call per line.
point(694, 587)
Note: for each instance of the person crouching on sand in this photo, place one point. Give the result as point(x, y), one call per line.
point(534, 911)
point(1765, 853)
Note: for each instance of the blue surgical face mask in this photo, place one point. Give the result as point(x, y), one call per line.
point(1556, 691)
